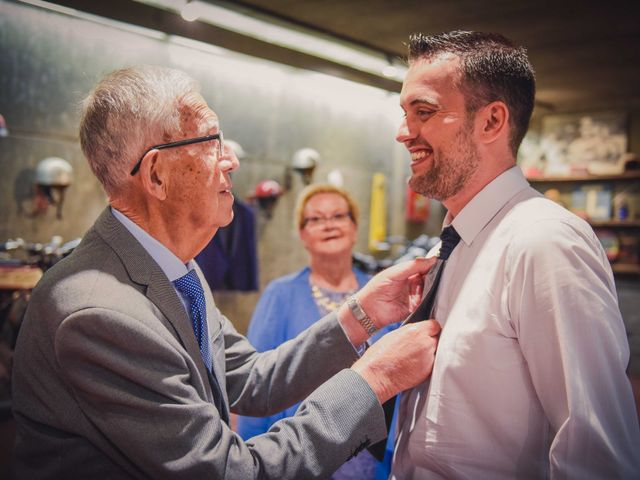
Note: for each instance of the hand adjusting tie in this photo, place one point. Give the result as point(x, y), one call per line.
point(450, 240)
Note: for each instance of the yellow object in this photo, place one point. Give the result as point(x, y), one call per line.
point(378, 215)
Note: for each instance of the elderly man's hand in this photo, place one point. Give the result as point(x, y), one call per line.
point(389, 297)
point(400, 360)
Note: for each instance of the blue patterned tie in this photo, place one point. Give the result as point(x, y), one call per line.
point(450, 239)
point(189, 286)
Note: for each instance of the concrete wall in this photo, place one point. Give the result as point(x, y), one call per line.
point(50, 61)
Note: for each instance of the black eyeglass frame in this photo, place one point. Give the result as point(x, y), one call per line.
point(190, 141)
point(321, 220)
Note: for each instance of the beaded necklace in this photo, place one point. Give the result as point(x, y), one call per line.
point(328, 300)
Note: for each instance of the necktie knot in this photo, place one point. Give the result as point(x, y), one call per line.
point(189, 285)
point(450, 239)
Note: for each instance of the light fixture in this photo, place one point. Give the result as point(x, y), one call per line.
point(236, 19)
point(288, 35)
point(101, 20)
point(190, 11)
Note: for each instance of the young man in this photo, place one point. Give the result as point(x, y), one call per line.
point(529, 379)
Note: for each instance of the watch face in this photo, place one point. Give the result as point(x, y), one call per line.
point(356, 309)
point(361, 316)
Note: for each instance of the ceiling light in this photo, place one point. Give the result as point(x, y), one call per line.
point(286, 34)
point(190, 11)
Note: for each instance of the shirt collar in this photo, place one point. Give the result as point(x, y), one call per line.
point(171, 265)
point(486, 204)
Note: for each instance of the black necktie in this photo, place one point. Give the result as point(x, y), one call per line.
point(189, 285)
point(450, 239)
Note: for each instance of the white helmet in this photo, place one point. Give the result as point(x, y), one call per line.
point(54, 172)
point(236, 147)
point(304, 162)
point(305, 159)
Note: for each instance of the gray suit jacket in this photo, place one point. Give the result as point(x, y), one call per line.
point(108, 381)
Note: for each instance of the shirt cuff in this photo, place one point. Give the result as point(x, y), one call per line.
point(359, 349)
point(362, 348)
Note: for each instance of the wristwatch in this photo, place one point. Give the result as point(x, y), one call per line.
point(361, 316)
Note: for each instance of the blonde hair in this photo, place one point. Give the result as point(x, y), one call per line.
point(313, 190)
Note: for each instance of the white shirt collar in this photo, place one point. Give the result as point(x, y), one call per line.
point(171, 265)
point(487, 203)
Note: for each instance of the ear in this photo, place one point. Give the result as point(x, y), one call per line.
point(153, 175)
point(494, 122)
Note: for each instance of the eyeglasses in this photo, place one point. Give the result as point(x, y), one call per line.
point(316, 222)
point(207, 138)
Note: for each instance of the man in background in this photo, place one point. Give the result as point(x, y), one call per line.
point(529, 379)
point(124, 367)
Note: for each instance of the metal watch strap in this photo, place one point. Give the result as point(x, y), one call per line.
point(361, 316)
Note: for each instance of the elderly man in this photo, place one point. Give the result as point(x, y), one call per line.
point(124, 367)
point(529, 380)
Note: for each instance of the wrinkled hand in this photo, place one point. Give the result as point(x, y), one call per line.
point(388, 297)
point(400, 360)
point(395, 292)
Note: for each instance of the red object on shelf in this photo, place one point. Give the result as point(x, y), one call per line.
point(417, 206)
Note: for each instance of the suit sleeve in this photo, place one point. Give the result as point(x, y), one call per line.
point(266, 331)
point(137, 387)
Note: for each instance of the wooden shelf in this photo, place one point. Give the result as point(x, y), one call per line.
point(615, 224)
point(632, 175)
point(626, 227)
point(629, 268)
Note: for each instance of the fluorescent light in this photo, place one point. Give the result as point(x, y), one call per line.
point(127, 27)
point(286, 35)
point(52, 6)
point(197, 45)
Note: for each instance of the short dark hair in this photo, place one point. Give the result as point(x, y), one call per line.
point(491, 68)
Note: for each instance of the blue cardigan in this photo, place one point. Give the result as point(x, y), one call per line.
point(285, 309)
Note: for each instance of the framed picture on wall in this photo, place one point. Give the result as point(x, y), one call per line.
point(593, 143)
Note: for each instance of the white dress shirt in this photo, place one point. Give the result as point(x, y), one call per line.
point(529, 378)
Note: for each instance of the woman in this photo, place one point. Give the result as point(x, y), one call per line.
point(327, 221)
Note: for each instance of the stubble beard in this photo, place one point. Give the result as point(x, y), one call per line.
point(450, 171)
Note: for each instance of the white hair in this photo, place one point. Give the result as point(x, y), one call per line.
point(126, 113)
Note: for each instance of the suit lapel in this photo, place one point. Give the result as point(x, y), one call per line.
point(144, 270)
